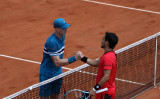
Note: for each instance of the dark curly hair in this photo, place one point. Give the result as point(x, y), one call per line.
point(112, 39)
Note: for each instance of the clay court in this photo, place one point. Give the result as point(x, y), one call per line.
point(26, 24)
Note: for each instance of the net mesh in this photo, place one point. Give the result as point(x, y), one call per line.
point(136, 65)
point(134, 74)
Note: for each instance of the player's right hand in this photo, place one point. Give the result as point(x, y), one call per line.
point(79, 55)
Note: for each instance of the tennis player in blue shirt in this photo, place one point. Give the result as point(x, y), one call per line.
point(53, 60)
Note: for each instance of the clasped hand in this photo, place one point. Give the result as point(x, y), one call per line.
point(78, 55)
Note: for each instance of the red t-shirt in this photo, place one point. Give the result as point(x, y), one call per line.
point(108, 61)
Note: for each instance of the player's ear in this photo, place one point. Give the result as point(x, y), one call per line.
point(57, 29)
point(106, 43)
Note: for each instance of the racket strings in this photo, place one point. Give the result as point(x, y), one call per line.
point(81, 95)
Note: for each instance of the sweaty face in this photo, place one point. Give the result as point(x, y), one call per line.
point(103, 43)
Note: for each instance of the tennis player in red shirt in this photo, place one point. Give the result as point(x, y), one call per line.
point(107, 68)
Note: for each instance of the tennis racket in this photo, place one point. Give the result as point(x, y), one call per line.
point(80, 94)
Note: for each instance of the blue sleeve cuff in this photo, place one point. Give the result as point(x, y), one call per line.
point(71, 59)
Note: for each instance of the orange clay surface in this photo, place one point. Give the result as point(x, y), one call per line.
point(26, 24)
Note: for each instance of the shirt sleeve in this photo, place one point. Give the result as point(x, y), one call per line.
point(107, 63)
point(51, 49)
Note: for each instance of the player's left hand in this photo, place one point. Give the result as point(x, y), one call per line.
point(92, 93)
point(78, 95)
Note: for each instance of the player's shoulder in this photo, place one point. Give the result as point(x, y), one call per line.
point(51, 41)
point(108, 54)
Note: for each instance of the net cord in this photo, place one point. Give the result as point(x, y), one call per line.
point(46, 81)
point(137, 43)
point(79, 68)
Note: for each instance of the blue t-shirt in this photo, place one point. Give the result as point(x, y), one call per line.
point(53, 47)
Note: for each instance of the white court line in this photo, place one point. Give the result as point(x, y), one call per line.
point(121, 6)
point(130, 81)
point(30, 61)
point(115, 78)
point(66, 68)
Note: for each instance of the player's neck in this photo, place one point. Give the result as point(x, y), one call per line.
point(108, 49)
point(58, 35)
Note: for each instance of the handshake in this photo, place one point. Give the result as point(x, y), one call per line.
point(79, 55)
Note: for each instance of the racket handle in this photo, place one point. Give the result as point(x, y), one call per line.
point(105, 89)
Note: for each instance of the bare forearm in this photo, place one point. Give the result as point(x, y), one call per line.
point(93, 62)
point(103, 80)
point(61, 62)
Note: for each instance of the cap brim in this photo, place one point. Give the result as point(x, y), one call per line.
point(65, 26)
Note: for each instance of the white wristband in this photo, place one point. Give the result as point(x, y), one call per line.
point(94, 89)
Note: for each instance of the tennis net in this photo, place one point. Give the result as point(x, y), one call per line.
point(135, 74)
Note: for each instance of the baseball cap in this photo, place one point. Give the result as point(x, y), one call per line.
point(61, 23)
